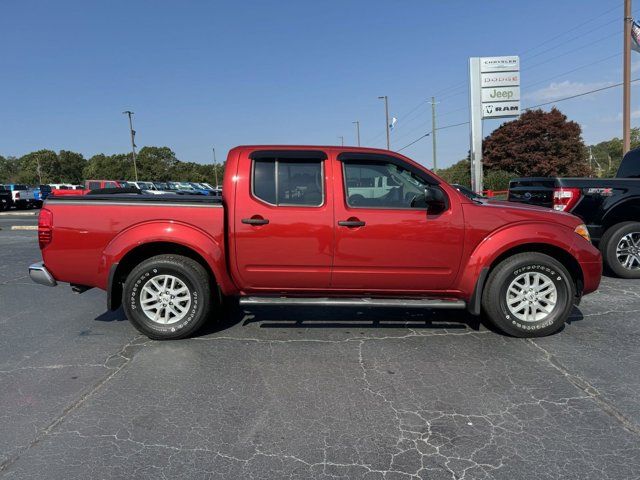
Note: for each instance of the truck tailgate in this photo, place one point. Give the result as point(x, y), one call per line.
point(532, 191)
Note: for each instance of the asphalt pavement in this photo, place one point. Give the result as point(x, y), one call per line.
point(297, 393)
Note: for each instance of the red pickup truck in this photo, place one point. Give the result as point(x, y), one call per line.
point(319, 226)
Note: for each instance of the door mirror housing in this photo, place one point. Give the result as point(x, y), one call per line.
point(433, 199)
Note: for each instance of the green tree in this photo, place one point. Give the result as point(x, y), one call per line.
point(112, 167)
point(459, 173)
point(538, 143)
point(42, 166)
point(72, 166)
point(606, 156)
point(156, 163)
point(497, 179)
point(8, 169)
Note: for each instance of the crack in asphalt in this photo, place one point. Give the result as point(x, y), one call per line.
point(589, 389)
point(125, 353)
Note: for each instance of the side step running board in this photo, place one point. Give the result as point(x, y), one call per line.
point(356, 302)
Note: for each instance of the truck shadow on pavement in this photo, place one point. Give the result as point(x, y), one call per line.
point(307, 317)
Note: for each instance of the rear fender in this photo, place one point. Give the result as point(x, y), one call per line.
point(497, 243)
point(210, 248)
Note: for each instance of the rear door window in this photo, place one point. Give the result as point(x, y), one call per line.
point(293, 182)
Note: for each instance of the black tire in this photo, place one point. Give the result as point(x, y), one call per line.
point(494, 296)
point(192, 275)
point(609, 244)
point(38, 204)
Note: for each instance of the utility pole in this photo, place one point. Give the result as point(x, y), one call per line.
point(341, 137)
point(357, 124)
point(386, 113)
point(433, 132)
point(215, 166)
point(133, 143)
point(626, 95)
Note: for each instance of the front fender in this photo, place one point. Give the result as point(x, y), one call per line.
point(209, 247)
point(507, 238)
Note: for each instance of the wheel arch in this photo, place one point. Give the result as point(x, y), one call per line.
point(626, 211)
point(554, 240)
point(157, 238)
point(120, 270)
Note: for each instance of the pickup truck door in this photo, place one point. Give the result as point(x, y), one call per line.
point(283, 220)
point(382, 242)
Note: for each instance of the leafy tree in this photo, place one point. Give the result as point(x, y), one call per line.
point(8, 169)
point(538, 143)
point(497, 179)
point(156, 163)
point(42, 166)
point(72, 165)
point(113, 167)
point(607, 155)
point(459, 173)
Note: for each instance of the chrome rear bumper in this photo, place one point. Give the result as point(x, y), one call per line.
point(39, 274)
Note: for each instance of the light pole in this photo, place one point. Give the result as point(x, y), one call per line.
point(341, 140)
point(133, 143)
point(357, 124)
point(386, 114)
point(626, 79)
point(433, 132)
point(215, 166)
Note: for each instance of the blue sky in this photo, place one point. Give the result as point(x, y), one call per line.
point(205, 73)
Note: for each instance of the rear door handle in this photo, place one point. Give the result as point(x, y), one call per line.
point(255, 220)
point(351, 223)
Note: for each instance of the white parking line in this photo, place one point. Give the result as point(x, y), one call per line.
point(7, 214)
point(24, 227)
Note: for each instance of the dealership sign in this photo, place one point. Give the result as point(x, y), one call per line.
point(500, 82)
point(494, 93)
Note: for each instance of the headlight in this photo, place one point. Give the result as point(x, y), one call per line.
point(583, 232)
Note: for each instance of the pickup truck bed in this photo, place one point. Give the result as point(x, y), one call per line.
point(610, 207)
point(296, 225)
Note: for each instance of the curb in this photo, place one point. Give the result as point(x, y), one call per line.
point(24, 227)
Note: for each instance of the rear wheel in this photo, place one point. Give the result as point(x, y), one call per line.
point(529, 295)
point(620, 247)
point(167, 297)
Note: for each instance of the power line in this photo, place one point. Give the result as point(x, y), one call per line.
point(596, 90)
point(580, 94)
point(582, 47)
point(574, 70)
point(429, 133)
point(564, 32)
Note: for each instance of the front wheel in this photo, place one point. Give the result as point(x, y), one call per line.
point(167, 297)
point(620, 247)
point(529, 295)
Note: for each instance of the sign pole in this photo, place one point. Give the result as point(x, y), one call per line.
point(475, 102)
point(626, 80)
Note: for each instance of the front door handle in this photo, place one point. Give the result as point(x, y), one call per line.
point(351, 223)
point(255, 220)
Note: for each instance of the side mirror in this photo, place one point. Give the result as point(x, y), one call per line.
point(433, 195)
point(433, 199)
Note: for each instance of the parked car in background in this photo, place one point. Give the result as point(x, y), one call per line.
point(184, 188)
point(610, 207)
point(293, 232)
point(6, 199)
point(23, 196)
point(148, 187)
